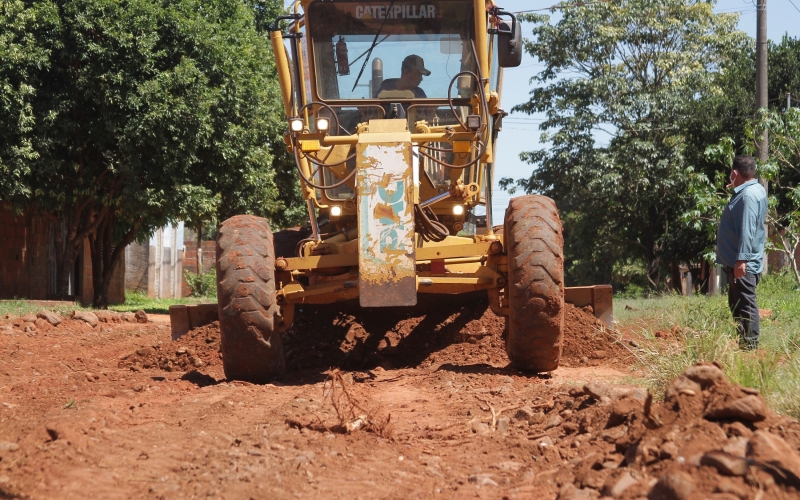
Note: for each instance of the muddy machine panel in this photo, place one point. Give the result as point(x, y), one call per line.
point(385, 187)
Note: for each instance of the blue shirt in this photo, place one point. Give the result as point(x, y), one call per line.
point(740, 235)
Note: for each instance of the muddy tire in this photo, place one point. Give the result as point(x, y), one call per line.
point(251, 347)
point(535, 247)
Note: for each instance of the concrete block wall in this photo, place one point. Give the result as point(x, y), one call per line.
point(190, 259)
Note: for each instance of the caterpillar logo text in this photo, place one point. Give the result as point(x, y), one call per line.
point(396, 11)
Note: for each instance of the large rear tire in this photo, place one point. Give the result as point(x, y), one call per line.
point(251, 346)
point(535, 247)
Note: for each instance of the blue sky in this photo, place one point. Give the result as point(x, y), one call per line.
point(521, 132)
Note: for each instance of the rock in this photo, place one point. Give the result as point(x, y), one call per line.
point(739, 429)
point(129, 316)
point(680, 385)
point(616, 487)
point(42, 325)
point(725, 485)
point(6, 446)
point(570, 492)
point(141, 316)
point(28, 318)
point(615, 433)
point(596, 389)
point(88, 317)
point(505, 380)
point(673, 485)
point(138, 388)
point(146, 352)
point(544, 442)
point(197, 362)
point(552, 421)
point(107, 316)
point(594, 479)
point(574, 392)
point(524, 414)
point(768, 448)
point(482, 480)
point(49, 316)
point(180, 350)
point(29, 327)
point(91, 377)
point(503, 423)
point(480, 427)
point(736, 446)
point(570, 427)
point(620, 411)
point(750, 408)
point(727, 465)
point(599, 354)
point(6, 327)
point(668, 451)
point(616, 392)
point(705, 374)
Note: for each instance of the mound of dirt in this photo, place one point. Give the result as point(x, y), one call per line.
point(197, 349)
point(709, 439)
point(587, 342)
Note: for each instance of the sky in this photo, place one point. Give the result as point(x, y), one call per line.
point(521, 132)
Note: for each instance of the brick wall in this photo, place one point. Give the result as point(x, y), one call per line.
point(24, 255)
point(190, 259)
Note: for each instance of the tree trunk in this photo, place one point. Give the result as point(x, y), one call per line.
point(199, 249)
point(106, 257)
point(675, 276)
point(70, 229)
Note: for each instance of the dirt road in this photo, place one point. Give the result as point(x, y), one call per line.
point(378, 404)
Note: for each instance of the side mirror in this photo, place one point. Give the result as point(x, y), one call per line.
point(509, 44)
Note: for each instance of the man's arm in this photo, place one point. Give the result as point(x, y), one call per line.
point(747, 235)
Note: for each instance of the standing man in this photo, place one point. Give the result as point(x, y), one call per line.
point(740, 247)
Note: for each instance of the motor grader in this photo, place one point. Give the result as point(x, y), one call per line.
point(393, 113)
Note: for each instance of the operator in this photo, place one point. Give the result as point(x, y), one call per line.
point(411, 72)
point(740, 247)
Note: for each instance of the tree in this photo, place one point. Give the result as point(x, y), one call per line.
point(621, 84)
point(138, 103)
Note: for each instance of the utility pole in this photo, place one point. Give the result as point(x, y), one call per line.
point(762, 101)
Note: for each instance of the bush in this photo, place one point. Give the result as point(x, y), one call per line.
point(202, 285)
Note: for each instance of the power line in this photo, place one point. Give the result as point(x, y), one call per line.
point(793, 5)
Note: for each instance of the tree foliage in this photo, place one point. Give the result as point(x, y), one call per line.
point(621, 88)
point(137, 112)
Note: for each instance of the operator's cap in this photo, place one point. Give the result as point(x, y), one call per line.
point(415, 62)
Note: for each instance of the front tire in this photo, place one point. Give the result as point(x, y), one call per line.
point(535, 247)
point(252, 348)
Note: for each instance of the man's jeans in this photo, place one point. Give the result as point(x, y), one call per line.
point(742, 301)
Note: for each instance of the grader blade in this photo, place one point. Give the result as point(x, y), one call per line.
point(600, 297)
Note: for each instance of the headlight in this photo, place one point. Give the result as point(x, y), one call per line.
point(336, 211)
point(458, 209)
point(323, 124)
point(296, 124)
point(474, 122)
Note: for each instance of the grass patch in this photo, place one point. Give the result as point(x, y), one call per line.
point(20, 307)
point(706, 332)
point(135, 301)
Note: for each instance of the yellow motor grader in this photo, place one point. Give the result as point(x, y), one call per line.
point(393, 112)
